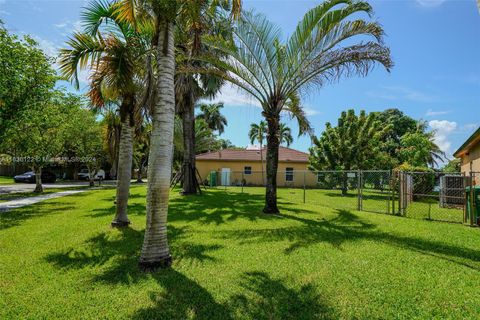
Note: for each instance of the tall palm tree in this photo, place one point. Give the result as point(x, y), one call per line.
point(155, 250)
point(319, 51)
point(114, 49)
point(204, 17)
point(285, 135)
point(213, 117)
point(258, 133)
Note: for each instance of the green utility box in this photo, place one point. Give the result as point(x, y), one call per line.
point(476, 205)
point(212, 179)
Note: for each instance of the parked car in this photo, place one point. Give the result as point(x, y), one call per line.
point(84, 175)
point(29, 177)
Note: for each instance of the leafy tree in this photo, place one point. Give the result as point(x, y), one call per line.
point(319, 51)
point(26, 79)
point(285, 134)
point(39, 135)
point(213, 117)
point(353, 144)
point(452, 166)
point(83, 138)
point(419, 149)
point(257, 133)
point(400, 125)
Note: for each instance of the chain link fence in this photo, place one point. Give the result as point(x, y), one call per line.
point(450, 197)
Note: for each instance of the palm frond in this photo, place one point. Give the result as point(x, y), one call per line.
point(85, 49)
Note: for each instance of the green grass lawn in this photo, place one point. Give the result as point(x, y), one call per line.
point(6, 180)
point(61, 259)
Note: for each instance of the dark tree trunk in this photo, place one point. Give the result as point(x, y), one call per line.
point(189, 182)
point(139, 174)
point(38, 180)
point(272, 164)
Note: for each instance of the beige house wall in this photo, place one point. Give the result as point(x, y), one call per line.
point(255, 178)
point(471, 162)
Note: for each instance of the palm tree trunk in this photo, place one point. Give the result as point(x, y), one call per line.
point(124, 173)
point(272, 164)
point(188, 167)
point(38, 180)
point(261, 162)
point(155, 251)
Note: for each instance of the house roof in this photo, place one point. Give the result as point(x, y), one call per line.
point(468, 144)
point(284, 155)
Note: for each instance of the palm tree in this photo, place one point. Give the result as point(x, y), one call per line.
point(155, 250)
point(213, 117)
point(114, 53)
point(319, 51)
point(205, 17)
point(285, 135)
point(258, 133)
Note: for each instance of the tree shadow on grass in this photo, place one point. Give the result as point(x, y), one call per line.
point(348, 227)
point(268, 298)
point(217, 208)
point(14, 217)
point(133, 209)
point(116, 257)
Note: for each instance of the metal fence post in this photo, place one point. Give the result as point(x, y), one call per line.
point(359, 190)
point(241, 182)
point(472, 202)
point(304, 186)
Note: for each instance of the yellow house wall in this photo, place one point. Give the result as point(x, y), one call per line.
point(474, 157)
point(237, 168)
point(471, 162)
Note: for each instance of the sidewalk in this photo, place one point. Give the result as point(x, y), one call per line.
point(4, 206)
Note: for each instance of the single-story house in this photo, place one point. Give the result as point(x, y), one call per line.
point(234, 166)
point(469, 154)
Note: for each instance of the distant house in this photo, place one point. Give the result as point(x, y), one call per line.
point(469, 153)
point(232, 166)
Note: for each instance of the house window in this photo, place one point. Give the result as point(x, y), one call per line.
point(247, 170)
point(288, 174)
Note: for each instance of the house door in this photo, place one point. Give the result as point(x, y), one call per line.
point(225, 176)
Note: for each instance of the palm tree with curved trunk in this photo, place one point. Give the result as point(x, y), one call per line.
point(213, 117)
point(113, 50)
point(320, 50)
point(285, 134)
point(257, 133)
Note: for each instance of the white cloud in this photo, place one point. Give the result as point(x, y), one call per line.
point(68, 27)
point(401, 92)
point(443, 129)
point(50, 48)
point(232, 96)
point(430, 3)
point(432, 113)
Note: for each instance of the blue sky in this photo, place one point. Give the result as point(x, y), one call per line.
point(435, 45)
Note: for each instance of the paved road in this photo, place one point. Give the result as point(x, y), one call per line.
point(31, 200)
point(26, 187)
